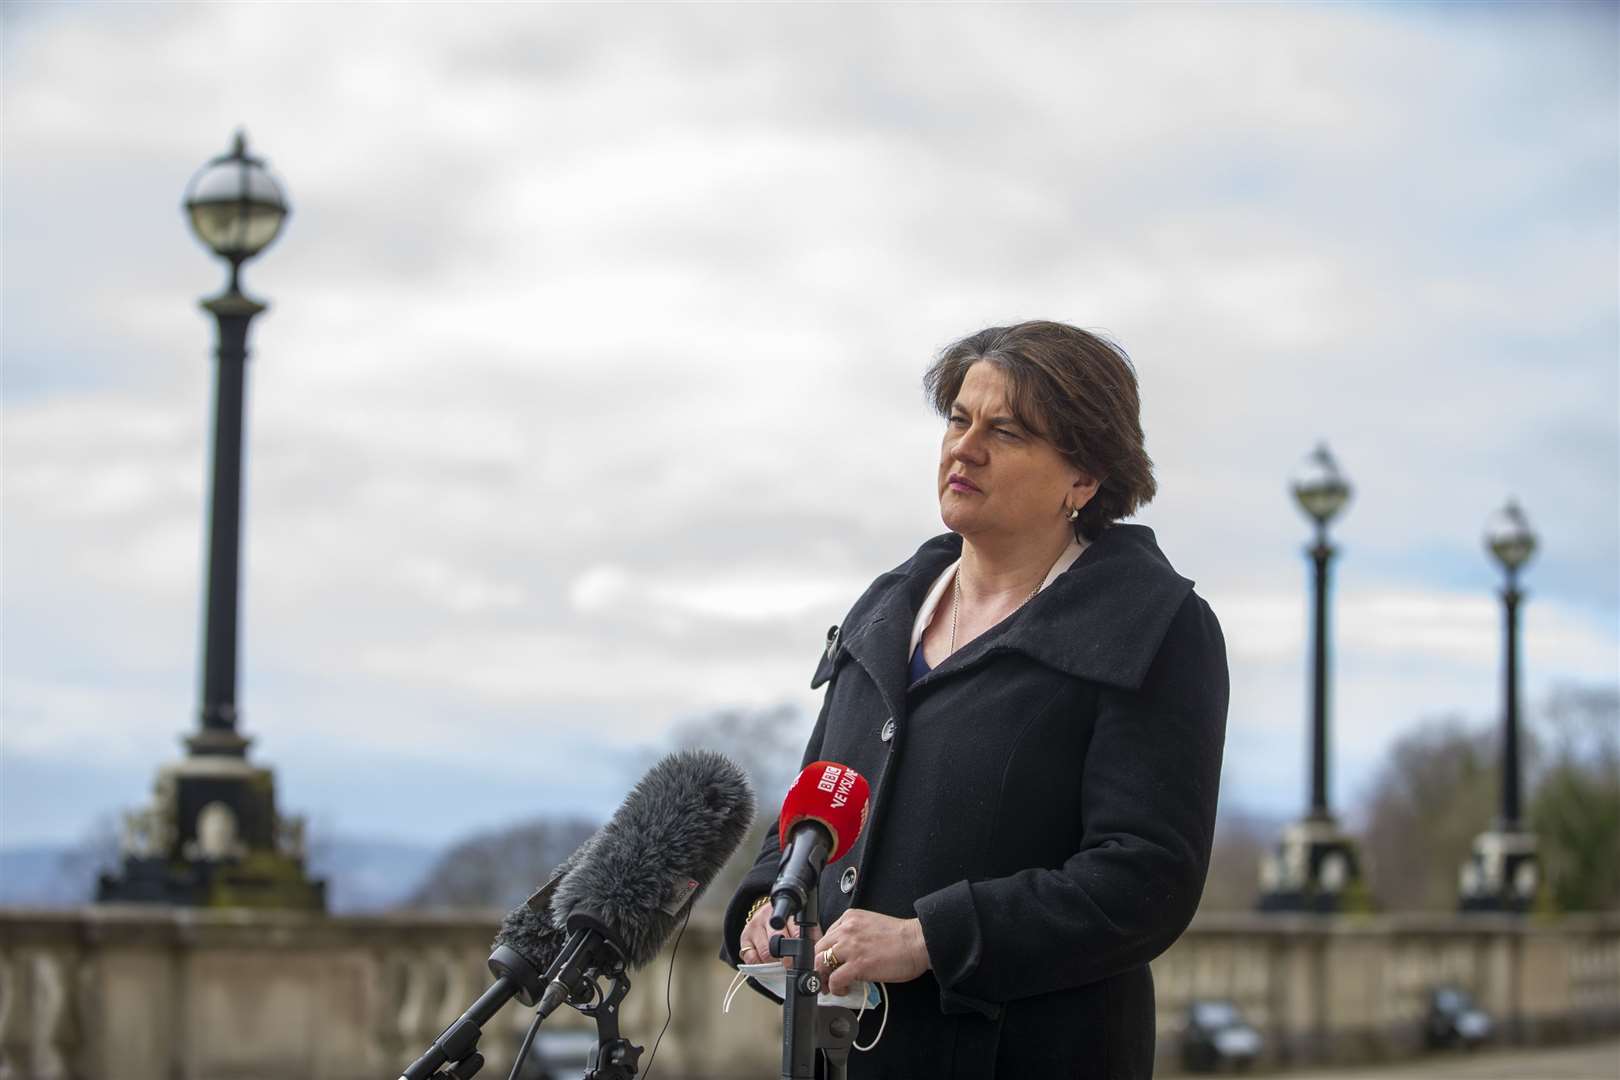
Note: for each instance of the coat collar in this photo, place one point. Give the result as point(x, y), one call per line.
point(1102, 619)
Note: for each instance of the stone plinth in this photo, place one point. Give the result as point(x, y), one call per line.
point(1501, 874)
point(212, 837)
point(1315, 867)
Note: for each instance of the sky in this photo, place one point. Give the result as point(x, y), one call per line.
point(589, 396)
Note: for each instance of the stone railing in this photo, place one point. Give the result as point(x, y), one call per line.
point(1356, 989)
point(142, 993)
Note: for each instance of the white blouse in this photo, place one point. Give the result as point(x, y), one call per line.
point(936, 592)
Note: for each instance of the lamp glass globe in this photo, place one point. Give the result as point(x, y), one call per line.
point(1508, 536)
point(1318, 485)
point(235, 205)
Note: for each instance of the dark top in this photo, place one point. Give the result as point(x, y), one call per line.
point(1043, 802)
point(919, 666)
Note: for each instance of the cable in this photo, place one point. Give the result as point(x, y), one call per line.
point(669, 1006)
point(523, 1048)
point(883, 992)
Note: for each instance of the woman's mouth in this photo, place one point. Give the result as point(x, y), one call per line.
point(962, 483)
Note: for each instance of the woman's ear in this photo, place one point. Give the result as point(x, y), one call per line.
point(1083, 490)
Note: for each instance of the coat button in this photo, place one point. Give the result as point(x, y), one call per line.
point(888, 730)
point(846, 881)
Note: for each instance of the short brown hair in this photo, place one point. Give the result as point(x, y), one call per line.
point(1072, 388)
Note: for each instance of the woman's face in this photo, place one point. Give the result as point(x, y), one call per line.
point(995, 476)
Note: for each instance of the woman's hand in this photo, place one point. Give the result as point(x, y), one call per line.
point(754, 943)
point(866, 945)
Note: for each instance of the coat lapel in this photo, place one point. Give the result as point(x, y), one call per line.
point(877, 630)
point(1102, 619)
point(1105, 617)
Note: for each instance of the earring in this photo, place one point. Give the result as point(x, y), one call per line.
point(1074, 513)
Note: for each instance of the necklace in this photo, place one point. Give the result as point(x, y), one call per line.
point(956, 602)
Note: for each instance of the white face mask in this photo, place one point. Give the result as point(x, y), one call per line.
point(860, 996)
point(772, 978)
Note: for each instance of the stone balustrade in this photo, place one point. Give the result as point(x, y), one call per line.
point(148, 993)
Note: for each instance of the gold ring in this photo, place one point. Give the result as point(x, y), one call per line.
point(829, 959)
point(747, 948)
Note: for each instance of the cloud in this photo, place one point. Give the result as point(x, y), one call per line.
point(588, 396)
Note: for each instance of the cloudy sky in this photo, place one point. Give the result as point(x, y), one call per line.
point(589, 392)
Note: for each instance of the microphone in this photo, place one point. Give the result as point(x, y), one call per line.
point(615, 899)
point(528, 930)
point(653, 858)
point(822, 816)
point(526, 945)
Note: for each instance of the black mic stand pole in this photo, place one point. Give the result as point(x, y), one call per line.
point(805, 1024)
point(803, 986)
point(835, 1031)
point(457, 1046)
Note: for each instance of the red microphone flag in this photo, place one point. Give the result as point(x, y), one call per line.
point(835, 796)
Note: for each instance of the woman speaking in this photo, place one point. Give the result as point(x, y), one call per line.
point(1038, 700)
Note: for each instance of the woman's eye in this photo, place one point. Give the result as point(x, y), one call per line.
point(1005, 434)
point(958, 421)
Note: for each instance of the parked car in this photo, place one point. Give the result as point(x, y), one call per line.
point(1454, 1020)
point(558, 1055)
point(1217, 1037)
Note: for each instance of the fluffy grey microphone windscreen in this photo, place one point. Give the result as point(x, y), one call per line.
point(528, 928)
point(660, 850)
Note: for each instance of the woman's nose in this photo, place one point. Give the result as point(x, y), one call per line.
point(969, 448)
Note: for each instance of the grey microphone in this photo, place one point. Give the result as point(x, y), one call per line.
point(526, 947)
point(614, 901)
point(646, 866)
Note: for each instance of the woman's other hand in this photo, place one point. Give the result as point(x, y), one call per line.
point(754, 943)
point(866, 945)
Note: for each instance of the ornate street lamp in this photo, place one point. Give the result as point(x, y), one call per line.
point(1321, 491)
point(212, 835)
point(1315, 864)
point(1502, 874)
point(237, 209)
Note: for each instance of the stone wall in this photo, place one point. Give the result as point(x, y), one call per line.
point(144, 993)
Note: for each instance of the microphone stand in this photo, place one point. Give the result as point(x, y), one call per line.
point(614, 1057)
point(594, 953)
point(806, 1025)
point(572, 979)
point(457, 1046)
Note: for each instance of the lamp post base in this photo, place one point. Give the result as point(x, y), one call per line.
point(212, 838)
point(1315, 867)
point(1502, 875)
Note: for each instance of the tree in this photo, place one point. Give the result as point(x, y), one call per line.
point(766, 744)
point(1575, 809)
point(499, 868)
point(1241, 838)
point(77, 869)
point(1436, 790)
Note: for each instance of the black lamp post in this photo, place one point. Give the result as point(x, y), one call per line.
point(236, 208)
point(212, 836)
point(1322, 492)
point(1502, 874)
point(1315, 864)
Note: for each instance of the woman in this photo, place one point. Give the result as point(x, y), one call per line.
point(1039, 702)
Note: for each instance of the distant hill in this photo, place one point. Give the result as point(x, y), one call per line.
point(370, 875)
point(499, 868)
point(40, 876)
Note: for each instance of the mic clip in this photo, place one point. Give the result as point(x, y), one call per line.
point(613, 1057)
point(594, 953)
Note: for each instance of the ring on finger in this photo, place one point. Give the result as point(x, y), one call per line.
point(829, 959)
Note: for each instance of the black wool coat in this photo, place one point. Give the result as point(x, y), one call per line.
point(1043, 801)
